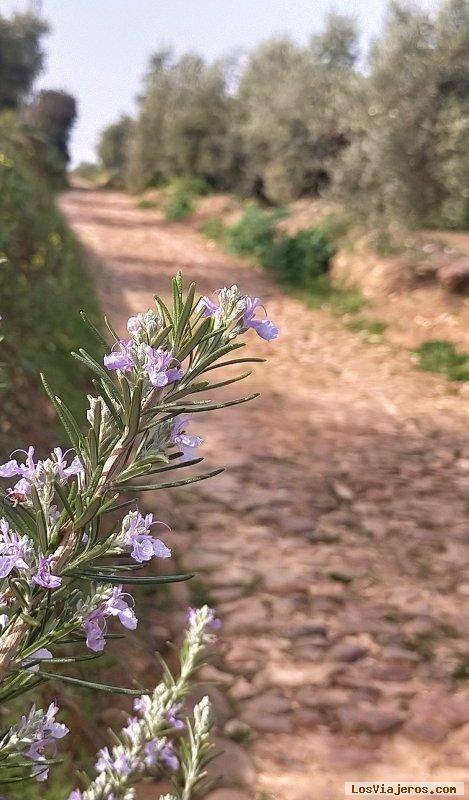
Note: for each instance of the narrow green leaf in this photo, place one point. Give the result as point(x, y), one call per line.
point(237, 361)
point(111, 329)
point(194, 341)
point(148, 488)
point(154, 580)
point(185, 314)
point(102, 687)
point(89, 512)
point(97, 334)
point(69, 428)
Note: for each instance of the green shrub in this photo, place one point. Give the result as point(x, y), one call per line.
point(43, 286)
point(179, 207)
point(301, 258)
point(440, 355)
point(189, 185)
point(255, 233)
point(145, 203)
point(214, 229)
point(181, 193)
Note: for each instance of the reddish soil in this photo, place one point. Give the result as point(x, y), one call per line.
point(333, 546)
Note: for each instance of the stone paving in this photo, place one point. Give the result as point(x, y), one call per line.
point(333, 546)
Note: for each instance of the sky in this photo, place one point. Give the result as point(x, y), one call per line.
point(99, 49)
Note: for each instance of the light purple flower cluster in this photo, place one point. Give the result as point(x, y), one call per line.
point(265, 328)
point(186, 443)
point(160, 751)
point(213, 622)
point(158, 364)
point(44, 576)
point(116, 605)
point(38, 733)
point(13, 549)
point(136, 534)
point(37, 473)
point(17, 552)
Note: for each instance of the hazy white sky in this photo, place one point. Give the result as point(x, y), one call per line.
point(98, 49)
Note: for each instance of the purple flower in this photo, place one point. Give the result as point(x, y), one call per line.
point(214, 622)
point(142, 704)
point(32, 472)
point(145, 547)
point(210, 308)
point(121, 358)
point(94, 626)
point(47, 734)
point(158, 751)
point(186, 443)
point(44, 576)
point(104, 761)
point(132, 727)
point(13, 550)
point(157, 367)
point(55, 729)
point(265, 328)
point(136, 530)
point(9, 469)
point(173, 720)
point(26, 471)
point(75, 795)
point(121, 764)
point(116, 606)
point(134, 325)
point(63, 471)
point(169, 757)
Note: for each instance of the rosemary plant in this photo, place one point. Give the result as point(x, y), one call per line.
point(64, 559)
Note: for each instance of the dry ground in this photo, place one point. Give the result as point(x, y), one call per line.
point(333, 546)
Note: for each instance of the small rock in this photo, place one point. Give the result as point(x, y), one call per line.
point(269, 723)
point(322, 698)
point(233, 766)
point(369, 718)
point(267, 703)
point(237, 730)
point(241, 689)
point(393, 672)
point(295, 674)
point(228, 794)
point(454, 276)
point(347, 652)
point(209, 673)
point(307, 717)
point(342, 491)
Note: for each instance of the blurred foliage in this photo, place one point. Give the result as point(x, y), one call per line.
point(297, 259)
point(301, 258)
point(113, 144)
point(255, 233)
point(389, 141)
point(183, 127)
point(407, 161)
point(180, 197)
point(21, 57)
point(440, 355)
point(52, 115)
point(43, 285)
point(214, 229)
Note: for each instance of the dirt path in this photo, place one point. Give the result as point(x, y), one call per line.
point(333, 546)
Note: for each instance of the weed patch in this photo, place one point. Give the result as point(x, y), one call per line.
point(440, 355)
